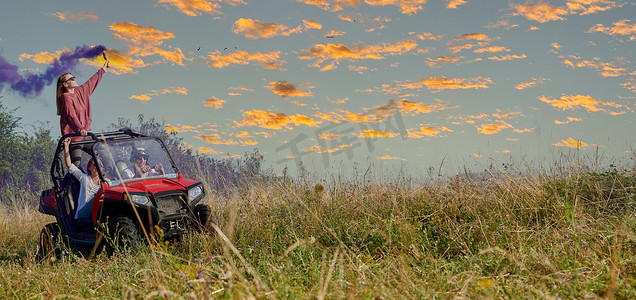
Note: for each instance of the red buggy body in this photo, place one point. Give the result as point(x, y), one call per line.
point(129, 200)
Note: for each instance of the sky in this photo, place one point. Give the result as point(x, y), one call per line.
point(341, 84)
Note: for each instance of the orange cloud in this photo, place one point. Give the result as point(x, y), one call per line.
point(605, 69)
point(544, 12)
point(389, 157)
point(208, 150)
point(274, 121)
point(329, 136)
point(492, 49)
point(438, 61)
point(426, 131)
point(622, 27)
point(570, 120)
point(472, 36)
point(145, 41)
point(154, 93)
point(336, 52)
point(311, 24)
point(331, 5)
point(70, 17)
point(437, 84)
point(533, 83)
point(630, 85)
point(266, 60)
point(507, 57)
point(255, 29)
point(455, 3)
point(493, 128)
point(415, 108)
point(506, 115)
point(320, 149)
point(193, 7)
point(429, 36)
point(214, 102)
point(541, 12)
point(188, 128)
point(370, 133)
point(575, 101)
point(286, 89)
point(523, 130)
point(571, 143)
point(406, 6)
point(216, 139)
point(43, 57)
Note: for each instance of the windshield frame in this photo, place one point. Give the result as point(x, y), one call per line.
point(102, 156)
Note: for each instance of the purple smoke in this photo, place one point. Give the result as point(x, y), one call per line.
point(33, 84)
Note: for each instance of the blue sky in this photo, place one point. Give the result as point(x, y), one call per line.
point(335, 82)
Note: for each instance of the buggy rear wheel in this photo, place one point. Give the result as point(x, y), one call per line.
point(48, 246)
point(123, 234)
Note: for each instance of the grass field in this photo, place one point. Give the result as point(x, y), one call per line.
point(564, 233)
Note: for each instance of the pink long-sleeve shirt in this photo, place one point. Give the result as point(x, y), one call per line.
point(76, 107)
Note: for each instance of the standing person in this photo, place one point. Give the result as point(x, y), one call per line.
point(74, 107)
point(89, 185)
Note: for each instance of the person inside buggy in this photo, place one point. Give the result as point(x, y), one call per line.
point(111, 168)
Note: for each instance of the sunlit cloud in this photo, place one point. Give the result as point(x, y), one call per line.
point(543, 12)
point(493, 128)
point(436, 84)
point(426, 36)
point(189, 128)
point(208, 150)
point(70, 17)
point(338, 101)
point(287, 89)
point(329, 136)
point(507, 57)
point(336, 52)
point(622, 27)
point(605, 69)
point(154, 93)
point(569, 120)
point(389, 157)
point(440, 60)
point(505, 24)
point(331, 5)
point(630, 85)
point(269, 60)
point(571, 143)
point(321, 149)
point(197, 7)
point(256, 29)
point(455, 3)
point(370, 133)
point(524, 130)
point(276, 121)
point(44, 57)
point(214, 102)
point(428, 131)
point(500, 114)
point(415, 108)
point(145, 41)
point(407, 7)
point(586, 102)
point(491, 49)
point(216, 139)
point(525, 85)
point(476, 36)
point(334, 33)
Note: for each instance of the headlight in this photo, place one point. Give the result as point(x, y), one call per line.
point(143, 200)
point(195, 192)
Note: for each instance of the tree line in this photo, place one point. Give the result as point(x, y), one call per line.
point(26, 155)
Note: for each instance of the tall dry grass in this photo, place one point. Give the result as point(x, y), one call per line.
point(511, 232)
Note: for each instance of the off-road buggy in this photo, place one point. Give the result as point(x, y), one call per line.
point(129, 206)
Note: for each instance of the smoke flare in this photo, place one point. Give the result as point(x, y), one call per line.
point(32, 84)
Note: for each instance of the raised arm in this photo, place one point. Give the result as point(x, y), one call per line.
point(67, 155)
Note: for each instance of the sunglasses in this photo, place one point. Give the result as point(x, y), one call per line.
point(72, 78)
